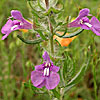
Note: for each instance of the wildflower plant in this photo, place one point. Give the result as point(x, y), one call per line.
point(50, 28)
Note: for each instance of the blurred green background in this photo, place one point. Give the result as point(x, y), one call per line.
point(17, 58)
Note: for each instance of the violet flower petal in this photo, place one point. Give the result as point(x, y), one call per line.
point(17, 15)
point(9, 27)
point(95, 31)
point(84, 12)
point(5, 36)
point(83, 26)
point(95, 22)
point(95, 25)
point(75, 23)
point(26, 25)
point(55, 68)
point(52, 81)
point(6, 28)
point(16, 22)
point(42, 84)
point(39, 67)
point(46, 57)
point(37, 78)
point(85, 19)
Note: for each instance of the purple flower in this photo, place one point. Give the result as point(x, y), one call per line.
point(45, 74)
point(18, 23)
point(83, 21)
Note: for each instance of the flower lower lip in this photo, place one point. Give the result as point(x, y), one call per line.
point(46, 72)
point(89, 25)
point(12, 28)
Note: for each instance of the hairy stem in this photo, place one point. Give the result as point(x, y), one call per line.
point(47, 4)
point(51, 39)
point(51, 28)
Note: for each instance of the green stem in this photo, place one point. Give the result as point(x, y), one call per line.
point(23, 62)
point(51, 43)
point(51, 39)
point(50, 27)
point(61, 98)
point(94, 80)
point(94, 70)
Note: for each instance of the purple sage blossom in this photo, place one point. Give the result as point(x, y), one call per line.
point(18, 23)
point(45, 74)
point(83, 21)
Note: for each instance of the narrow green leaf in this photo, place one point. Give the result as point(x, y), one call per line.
point(30, 41)
point(59, 24)
point(71, 34)
point(77, 76)
point(35, 14)
point(40, 5)
point(55, 10)
point(64, 33)
point(29, 2)
point(75, 80)
point(58, 42)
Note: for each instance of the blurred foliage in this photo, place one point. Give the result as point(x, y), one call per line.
point(17, 59)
